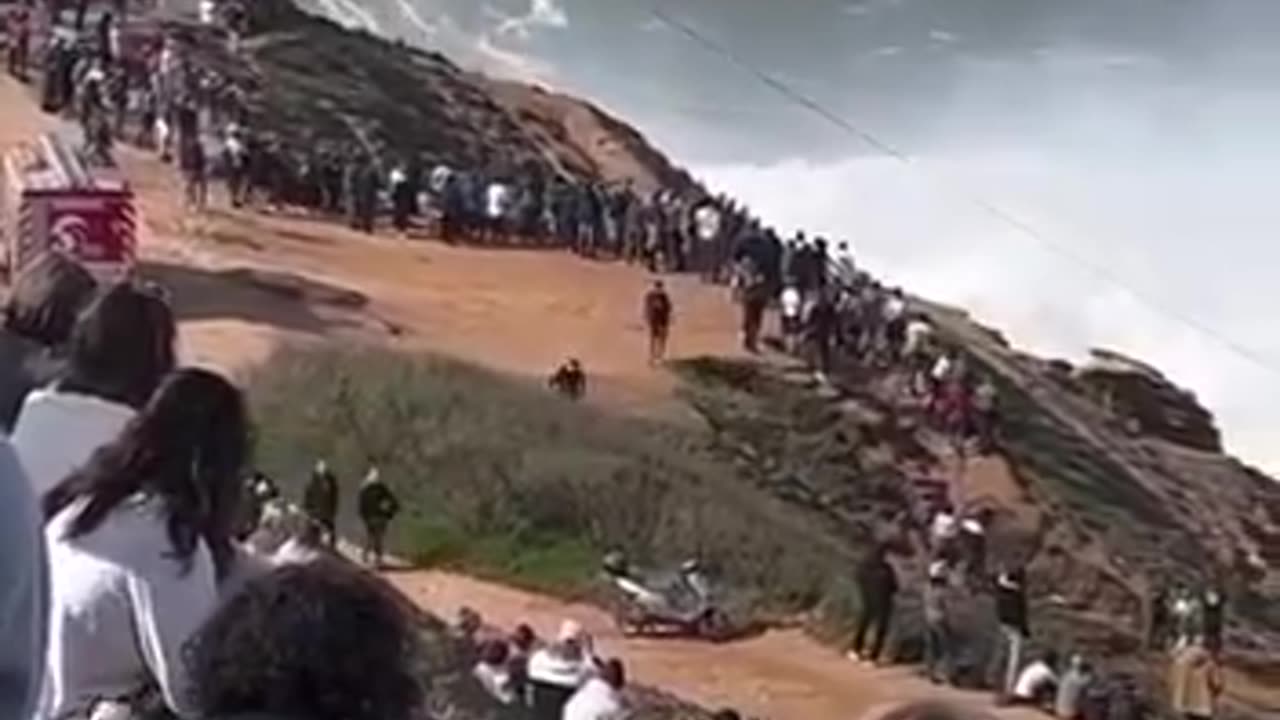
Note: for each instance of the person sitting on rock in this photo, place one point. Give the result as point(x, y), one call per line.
point(570, 380)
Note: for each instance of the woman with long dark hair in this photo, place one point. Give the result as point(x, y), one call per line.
point(120, 349)
point(138, 540)
point(43, 305)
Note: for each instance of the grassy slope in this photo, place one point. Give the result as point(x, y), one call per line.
point(508, 480)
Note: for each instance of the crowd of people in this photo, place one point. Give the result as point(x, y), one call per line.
point(124, 583)
point(133, 536)
point(564, 679)
point(1187, 627)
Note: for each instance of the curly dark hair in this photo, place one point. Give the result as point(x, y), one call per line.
point(321, 641)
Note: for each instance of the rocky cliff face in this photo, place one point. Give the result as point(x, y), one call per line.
point(308, 80)
point(1145, 398)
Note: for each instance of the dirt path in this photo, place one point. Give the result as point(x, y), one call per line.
point(783, 675)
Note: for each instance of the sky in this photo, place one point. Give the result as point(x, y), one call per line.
point(1077, 174)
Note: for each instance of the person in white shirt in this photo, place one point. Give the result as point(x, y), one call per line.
point(493, 672)
point(601, 697)
point(792, 306)
point(943, 532)
point(919, 333)
point(139, 539)
point(558, 670)
point(707, 221)
point(497, 203)
point(120, 349)
point(24, 591)
point(1038, 682)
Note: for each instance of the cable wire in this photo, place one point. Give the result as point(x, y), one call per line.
point(1021, 227)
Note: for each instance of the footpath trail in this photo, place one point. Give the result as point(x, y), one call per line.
point(245, 283)
point(783, 675)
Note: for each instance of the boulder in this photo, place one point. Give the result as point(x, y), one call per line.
point(1144, 397)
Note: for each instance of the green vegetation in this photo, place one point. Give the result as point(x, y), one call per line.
point(504, 479)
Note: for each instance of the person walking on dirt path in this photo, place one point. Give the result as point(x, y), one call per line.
point(755, 300)
point(235, 153)
point(821, 326)
point(938, 653)
point(877, 586)
point(1011, 614)
point(790, 306)
point(191, 158)
point(658, 312)
point(320, 500)
point(378, 506)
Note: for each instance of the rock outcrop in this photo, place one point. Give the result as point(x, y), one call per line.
point(309, 82)
point(1139, 394)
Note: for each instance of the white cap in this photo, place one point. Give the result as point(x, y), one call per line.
point(937, 569)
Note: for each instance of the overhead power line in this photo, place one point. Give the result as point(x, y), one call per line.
point(1009, 219)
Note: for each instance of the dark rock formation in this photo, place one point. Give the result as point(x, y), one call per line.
point(1135, 391)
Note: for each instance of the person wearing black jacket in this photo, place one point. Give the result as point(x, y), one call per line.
point(1212, 619)
point(877, 585)
point(320, 500)
point(378, 506)
point(1011, 613)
